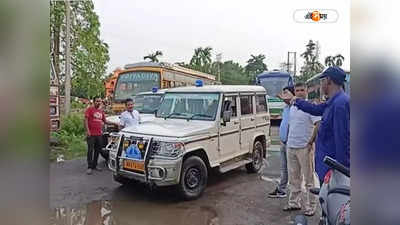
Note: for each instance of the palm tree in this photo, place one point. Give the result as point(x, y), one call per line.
point(201, 59)
point(206, 55)
point(195, 62)
point(339, 60)
point(153, 56)
point(329, 61)
point(206, 59)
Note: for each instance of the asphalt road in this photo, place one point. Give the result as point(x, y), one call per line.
point(232, 198)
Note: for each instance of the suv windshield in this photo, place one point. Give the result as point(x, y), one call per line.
point(196, 106)
point(147, 103)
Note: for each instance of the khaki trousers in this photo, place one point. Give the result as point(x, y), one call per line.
point(300, 164)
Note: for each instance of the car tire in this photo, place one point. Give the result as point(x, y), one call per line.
point(193, 180)
point(257, 158)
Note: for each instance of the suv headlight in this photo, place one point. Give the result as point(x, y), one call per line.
point(168, 149)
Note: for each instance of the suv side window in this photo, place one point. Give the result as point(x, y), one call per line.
point(233, 105)
point(261, 104)
point(246, 105)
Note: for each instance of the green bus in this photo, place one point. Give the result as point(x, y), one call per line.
point(274, 81)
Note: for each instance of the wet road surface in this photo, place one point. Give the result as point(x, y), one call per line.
point(232, 198)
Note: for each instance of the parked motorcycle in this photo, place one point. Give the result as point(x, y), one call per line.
point(334, 196)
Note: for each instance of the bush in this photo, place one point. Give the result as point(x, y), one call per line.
point(78, 106)
point(73, 124)
point(71, 137)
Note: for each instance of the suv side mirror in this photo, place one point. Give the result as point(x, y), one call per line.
point(226, 117)
point(226, 112)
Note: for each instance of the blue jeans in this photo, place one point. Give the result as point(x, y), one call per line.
point(284, 170)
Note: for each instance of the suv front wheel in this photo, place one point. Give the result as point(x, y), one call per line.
point(257, 158)
point(193, 179)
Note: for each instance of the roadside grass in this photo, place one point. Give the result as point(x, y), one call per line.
point(70, 140)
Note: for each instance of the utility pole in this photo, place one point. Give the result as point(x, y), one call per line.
point(294, 69)
point(67, 59)
point(294, 62)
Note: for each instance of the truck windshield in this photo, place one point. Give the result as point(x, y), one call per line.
point(196, 106)
point(131, 83)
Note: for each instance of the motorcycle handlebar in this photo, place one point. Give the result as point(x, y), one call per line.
point(337, 166)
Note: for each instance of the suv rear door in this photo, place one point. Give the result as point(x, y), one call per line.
point(247, 122)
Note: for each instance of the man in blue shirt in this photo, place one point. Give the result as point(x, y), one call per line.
point(280, 191)
point(333, 138)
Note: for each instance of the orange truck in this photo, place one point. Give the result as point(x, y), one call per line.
point(144, 76)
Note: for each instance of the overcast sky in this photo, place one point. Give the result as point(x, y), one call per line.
point(135, 28)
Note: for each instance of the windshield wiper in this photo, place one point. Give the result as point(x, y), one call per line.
point(199, 114)
point(174, 113)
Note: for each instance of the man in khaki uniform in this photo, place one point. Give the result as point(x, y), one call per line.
point(300, 155)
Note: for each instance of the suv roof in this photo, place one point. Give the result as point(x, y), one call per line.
point(220, 88)
point(160, 92)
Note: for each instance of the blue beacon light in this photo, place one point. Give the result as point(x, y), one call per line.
point(199, 83)
point(154, 89)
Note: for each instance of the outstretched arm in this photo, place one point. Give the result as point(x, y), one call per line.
point(313, 109)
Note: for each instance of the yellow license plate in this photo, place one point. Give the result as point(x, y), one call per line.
point(133, 165)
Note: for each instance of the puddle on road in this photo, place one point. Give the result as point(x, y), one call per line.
point(126, 212)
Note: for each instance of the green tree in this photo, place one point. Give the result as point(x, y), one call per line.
point(206, 59)
point(336, 60)
point(339, 60)
point(195, 62)
point(89, 54)
point(329, 61)
point(255, 65)
point(310, 51)
point(153, 56)
point(311, 65)
point(233, 73)
point(201, 59)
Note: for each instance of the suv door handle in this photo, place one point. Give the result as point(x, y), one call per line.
point(252, 119)
point(236, 122)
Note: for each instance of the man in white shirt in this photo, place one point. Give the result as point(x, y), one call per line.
point(300, 155)
point(129, 117)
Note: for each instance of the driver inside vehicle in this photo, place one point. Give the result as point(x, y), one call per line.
point(212, 107)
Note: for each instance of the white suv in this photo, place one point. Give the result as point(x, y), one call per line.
point(195, 129)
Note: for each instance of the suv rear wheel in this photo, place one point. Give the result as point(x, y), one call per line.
point(257, 158)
